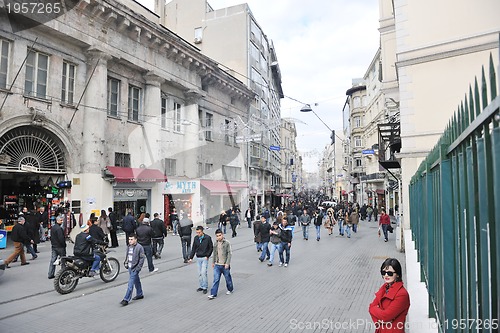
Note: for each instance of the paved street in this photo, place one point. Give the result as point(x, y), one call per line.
point(330, 282)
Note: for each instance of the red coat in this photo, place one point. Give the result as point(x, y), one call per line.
point(384, 219)
point(389, 310)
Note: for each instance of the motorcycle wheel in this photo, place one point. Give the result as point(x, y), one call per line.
point(110, 269)
point(65, 281)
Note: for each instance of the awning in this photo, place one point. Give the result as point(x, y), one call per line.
point(220, 187)
point(134, 175)
point(380, 191)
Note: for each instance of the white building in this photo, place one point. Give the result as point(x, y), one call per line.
point(232, 37)
point(115, 104)
point(291, 169)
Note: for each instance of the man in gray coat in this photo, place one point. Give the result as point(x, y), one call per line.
point(134, 261)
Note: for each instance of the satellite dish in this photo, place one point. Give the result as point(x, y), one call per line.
point(142, 166)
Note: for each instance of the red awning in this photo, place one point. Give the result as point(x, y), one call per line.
point(136, 175)
point(220, 187)
point(380, 191)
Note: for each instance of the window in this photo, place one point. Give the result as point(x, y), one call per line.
point(68, 83)
point(357, 141)
point(209, 167)
point(256, 32)
point(163, 113)
point(113, 96)
point(134, 103)
point(358, 162)
point(37, 66)
point(227, 139)
point(231, 173)
point(170, 167)
point(200, 170)
point(254, 150)
point(122, 160)
point(4, 63)
point(198, 33)
point(254, 52)
point(209, 121)
point(356, 102)
point(346, 160)
point(177, 117)
point(357, 122)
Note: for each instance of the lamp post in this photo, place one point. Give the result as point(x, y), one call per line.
point(307, 108)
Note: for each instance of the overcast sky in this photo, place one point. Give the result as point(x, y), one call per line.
point(321, 46)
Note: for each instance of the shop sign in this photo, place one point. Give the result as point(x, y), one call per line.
point(184, 187)
point(131, 193)
point(29, 168)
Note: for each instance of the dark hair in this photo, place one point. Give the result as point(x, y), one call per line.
point(110, 209)
point(147, 215)
point(394, 263)
point(200, 228)
point(155, 215)
point(218, 231)
point(133, 235)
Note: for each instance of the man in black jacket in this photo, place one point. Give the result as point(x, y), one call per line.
point(114, 227)
point(286, 236)
point(144, 235)
point(20, 238)
point(58, 243)
point(202, 248)
point(185, 231)
point(129, 225)
point(84, 248)
point(95, 230)
point(159, 233)
point(265, 236)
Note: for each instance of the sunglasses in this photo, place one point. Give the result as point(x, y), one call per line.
point(389, 273)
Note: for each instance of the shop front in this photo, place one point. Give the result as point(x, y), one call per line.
point(135, 189)
point(219, 195)
point(184, 195)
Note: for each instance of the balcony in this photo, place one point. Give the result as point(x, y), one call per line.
point(389, 140)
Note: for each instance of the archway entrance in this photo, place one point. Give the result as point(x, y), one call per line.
point(32, 165)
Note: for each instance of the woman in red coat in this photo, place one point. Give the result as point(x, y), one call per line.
point(390, 306)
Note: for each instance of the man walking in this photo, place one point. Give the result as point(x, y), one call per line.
point(318, 222)
point(249, 216)
point(265, 236)
point(305, 221)
point(234, 220)
point(20, 238)
point(174, 219)
point(202, 248)
point(134, 262)
point(275, 243)
point(221, 264)
point(58, 243)
point(129, 225)
point(144, 236)
point(286, 236)
point(385, 222)
point(185, 231)
point(114, 227)
point(256, 232)
point(159, 234)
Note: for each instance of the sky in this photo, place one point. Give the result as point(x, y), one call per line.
point(321, 46)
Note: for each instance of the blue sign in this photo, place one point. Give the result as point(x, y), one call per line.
point(368, 152)
point(3, 239)
point(275, 148)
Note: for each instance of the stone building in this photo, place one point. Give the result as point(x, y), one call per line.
point(107, 106)
point(290, 167)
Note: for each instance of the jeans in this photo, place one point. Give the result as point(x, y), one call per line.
point(148, 252)
point(318, 231)
point(56, 252)
point(369, 217)
point(218, 271)
point(305, 231)
point(284, 247)
point(186, 246)
point(222, 227)
point(265, 251)
point(30, 250)
point(341, 227)
point(133, 281)
point(354, 227)
point(158, 244)
point(95, 264)
point(233, 228)
point(249, 221)
point(384, 229)
point(258, 245)
point(274, 248)
point(174, 227)
point(202, 272)
point(348, 230)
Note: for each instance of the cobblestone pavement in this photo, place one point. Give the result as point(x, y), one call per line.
point(326, 288)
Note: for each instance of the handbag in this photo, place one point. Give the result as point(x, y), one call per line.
point(390, 228)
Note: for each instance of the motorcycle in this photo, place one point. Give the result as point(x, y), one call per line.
point(74, 268)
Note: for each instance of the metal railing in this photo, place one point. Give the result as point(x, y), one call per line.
point(454, 212)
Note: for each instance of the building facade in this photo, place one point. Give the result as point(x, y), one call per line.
point(232, 37)
point(112, 110)
point(291, 169)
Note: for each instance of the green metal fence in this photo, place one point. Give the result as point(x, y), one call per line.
point(455, 213)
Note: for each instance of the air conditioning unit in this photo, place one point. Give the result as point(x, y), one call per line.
point(197, 40)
